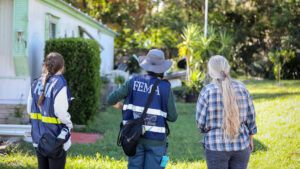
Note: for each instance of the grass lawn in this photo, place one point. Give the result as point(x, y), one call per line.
point(277, 144)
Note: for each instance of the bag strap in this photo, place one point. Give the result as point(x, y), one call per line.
point(150, 99)
point(119, 142)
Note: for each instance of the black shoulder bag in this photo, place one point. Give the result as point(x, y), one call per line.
point(133, 129)
point(50, 146)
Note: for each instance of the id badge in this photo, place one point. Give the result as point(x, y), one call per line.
point(164, 161)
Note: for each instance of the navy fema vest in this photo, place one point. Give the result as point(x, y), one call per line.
point(43, 119)
point(140, 88)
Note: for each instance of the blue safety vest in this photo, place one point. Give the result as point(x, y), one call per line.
point(43, 119)
point(140, 88)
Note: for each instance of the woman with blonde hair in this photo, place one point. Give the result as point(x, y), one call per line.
point(226, 115)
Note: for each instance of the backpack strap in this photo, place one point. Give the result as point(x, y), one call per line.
point(150, 99)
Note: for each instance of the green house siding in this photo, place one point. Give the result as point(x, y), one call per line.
point(20, 48)
point(20, 23)
point(47, 18)
point(58, 28)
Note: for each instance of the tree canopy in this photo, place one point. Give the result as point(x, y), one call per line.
point(256, 27)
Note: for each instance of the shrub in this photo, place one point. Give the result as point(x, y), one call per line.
point(180, 93)
point(119, 80)
point(133, 66)
point(196, 82)
point(104, 80)
point(82, 65)
point(279, 58)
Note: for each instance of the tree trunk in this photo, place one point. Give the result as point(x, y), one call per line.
point(84, 4)
point(187, 68)
point(279, 69)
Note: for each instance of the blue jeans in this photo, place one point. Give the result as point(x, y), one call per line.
point(147, 157)
point(227, 159)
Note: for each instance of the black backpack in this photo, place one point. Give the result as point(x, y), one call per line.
point(130, 133)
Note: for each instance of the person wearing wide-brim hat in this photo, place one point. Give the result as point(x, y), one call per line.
point(152, 145)
point(155, 62)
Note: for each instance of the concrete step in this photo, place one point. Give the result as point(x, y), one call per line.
point(7, 110)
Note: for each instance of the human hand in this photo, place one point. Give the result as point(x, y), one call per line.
point(251, 144)
point(119, 105)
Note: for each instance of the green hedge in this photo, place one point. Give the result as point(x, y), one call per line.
point(82, 68)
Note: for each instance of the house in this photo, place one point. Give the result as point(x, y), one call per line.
point(25, 25)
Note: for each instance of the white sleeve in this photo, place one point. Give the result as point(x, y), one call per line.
point(61, 106)
point(29, 102)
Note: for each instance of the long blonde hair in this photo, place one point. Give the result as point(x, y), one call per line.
point(218, 70)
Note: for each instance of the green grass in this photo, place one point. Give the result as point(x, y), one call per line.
point(277, 144)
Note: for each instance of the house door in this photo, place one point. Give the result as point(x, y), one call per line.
point(6, 40)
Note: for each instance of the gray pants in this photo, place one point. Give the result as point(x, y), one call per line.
point(227, 159)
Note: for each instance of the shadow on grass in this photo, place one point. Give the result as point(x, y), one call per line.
point(4, 166)
point(82, 150)
point(258, 146)
point(272, 82)
point(177, 151)
point(259, 96)
point(184, 140)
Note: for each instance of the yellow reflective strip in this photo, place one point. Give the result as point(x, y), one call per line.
point(58, 121)
point(50, 120)
point(33, 115)
point(44, 119)
point(39, 116)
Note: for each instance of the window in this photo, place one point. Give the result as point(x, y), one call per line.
point(52, 31)
point(52, 27)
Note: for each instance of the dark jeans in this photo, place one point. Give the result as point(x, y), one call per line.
point(147, 157)
point(227, 159)
point(51, 163)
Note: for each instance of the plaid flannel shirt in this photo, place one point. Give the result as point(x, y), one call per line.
point(209, 118)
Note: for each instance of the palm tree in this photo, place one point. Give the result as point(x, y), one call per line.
point(186, 47)
point(226, 41)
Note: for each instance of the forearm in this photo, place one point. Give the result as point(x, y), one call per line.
point(201, 111)
point(251, 119)
point(61, 106)
point(172, 111)
point(29, 102)
point(200, 121)
point(119, 94)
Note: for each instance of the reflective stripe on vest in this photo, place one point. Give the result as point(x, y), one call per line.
point(155, 129)
point(151, 128)
point(140, 109)
point(44, 119)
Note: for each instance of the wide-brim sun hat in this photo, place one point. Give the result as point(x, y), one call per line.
point(155, 61)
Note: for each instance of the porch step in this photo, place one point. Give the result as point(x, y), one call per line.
point(7, 112)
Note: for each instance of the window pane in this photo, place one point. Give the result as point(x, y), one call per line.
point(52, 30)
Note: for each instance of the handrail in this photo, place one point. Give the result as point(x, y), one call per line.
point(14, 129)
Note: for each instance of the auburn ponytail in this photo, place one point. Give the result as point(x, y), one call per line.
point(42, 96)
point(53, 63)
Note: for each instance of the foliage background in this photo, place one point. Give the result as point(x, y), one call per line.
point(257, 27)
point(82, 65)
